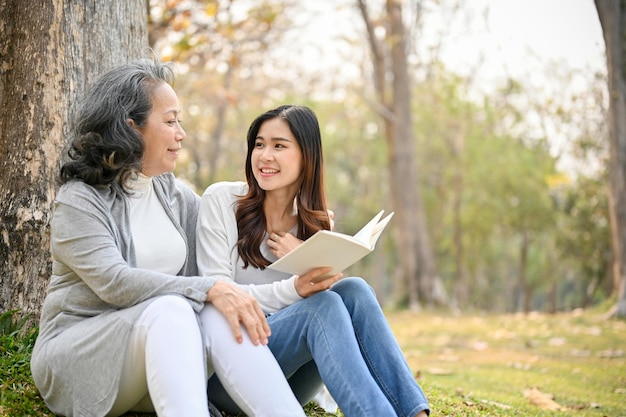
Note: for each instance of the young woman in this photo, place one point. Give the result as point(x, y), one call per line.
point(127, 323)
point(329, 331)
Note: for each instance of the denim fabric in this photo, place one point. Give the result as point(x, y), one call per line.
point(345, 332)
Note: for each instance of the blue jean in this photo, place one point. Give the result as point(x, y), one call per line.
point(345, 333)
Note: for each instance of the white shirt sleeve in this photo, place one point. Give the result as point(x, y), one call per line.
point(217, 254)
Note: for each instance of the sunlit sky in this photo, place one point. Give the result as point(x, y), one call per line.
point(518, 38)
point(521, 37)
point(539, 43)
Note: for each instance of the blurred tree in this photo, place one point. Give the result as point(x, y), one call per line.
point(357, 180)
point(41, 73)
point(486, 173)
point(612, 14)
point(585, 238)
point(223, 49)
point(488, 195)
point(393, 84)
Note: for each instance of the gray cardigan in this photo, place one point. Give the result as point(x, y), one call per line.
point(96, 292)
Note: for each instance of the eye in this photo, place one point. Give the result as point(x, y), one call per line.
point(258, 144)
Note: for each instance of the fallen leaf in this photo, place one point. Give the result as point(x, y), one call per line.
point(542, 400)
point(497, 404)
point(557, 341)
point(581, 353)
point(611, 353)
point(480, 346)
point(439, 371)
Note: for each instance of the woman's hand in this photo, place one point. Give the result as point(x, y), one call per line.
point(239, 308)
point(316, 280)
point(281, 243)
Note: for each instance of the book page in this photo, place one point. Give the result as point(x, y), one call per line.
point(370, 233)
point(365, 234)
point(378, 230)
point(325, 248)
point(334, 249)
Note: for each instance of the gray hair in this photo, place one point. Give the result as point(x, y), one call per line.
point(104, 148)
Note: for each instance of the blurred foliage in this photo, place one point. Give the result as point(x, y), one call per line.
point(221, 49)
point(513, 224)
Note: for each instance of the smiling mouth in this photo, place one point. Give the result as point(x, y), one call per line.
point(269, 171)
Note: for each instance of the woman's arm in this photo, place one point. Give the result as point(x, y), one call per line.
point(90, 246)
point(217, 247)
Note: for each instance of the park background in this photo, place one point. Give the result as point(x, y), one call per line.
point(488, 131)
point(510, 150)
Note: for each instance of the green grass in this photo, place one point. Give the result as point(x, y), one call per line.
point(471, 365)
point(18, 395)
point(486, 365)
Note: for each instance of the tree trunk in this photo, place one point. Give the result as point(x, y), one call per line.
point(522, 280)
point(407, 195)
point(612, 14)
point(461, 284)
point(419, 273)
point(49, 52)
point(405, 188)
point(552, 297)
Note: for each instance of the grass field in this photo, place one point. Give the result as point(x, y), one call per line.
point(517, 365)
point(569, 364)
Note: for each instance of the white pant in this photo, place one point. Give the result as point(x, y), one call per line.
point(166, 368)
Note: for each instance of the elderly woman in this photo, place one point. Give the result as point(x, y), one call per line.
point(127, 323)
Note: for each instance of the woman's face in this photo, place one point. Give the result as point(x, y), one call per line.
point(162, 133)
point(276, 159)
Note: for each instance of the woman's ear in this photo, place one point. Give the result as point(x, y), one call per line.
point(131, 123)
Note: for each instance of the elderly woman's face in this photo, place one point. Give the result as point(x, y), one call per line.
point(162, 133)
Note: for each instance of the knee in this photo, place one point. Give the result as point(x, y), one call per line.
point(173, 303)
point(355, 291)
point(173, 308)
point(214, 322)
point(353, 287)
point(327, 303)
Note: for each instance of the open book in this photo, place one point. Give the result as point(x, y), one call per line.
point(328, 248)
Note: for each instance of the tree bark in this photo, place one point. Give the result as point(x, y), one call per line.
point(524, 288)
point(420, 280)
point(612, 14)
point(461, 284)
point(49, 52)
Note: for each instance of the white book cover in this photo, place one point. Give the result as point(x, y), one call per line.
point(334, 249)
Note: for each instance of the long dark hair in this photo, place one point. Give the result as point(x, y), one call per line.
point(310, 200)
point(105, 149)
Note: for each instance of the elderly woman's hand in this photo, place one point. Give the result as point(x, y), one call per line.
point(239, 308)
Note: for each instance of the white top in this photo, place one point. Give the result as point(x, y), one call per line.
point(217, 253)
point(158, 245)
